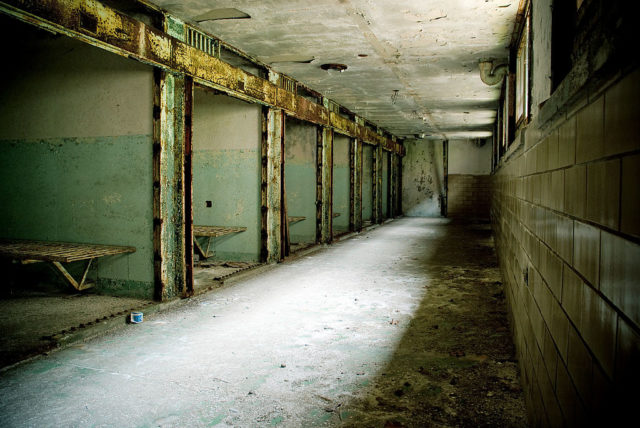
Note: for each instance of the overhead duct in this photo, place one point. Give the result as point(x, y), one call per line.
point(491, 75)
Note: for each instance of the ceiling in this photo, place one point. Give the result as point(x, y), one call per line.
point(412, 64)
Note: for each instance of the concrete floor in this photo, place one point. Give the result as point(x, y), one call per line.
point(37, 321)
point(401, 326)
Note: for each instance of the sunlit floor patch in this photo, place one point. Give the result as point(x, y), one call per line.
point(369, 331)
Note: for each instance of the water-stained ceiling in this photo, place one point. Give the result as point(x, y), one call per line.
point(412, 64)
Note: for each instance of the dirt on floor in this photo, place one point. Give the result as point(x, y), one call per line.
point(455, 366)
point(401, 326)
point(208, 275)
point(33, 322)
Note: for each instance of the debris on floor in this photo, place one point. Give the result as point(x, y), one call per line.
point(218, 358)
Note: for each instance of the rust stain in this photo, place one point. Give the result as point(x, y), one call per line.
point(99, 25)
point(286, 100)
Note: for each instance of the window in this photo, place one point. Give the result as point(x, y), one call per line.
point(563, 31)
point(523, 64)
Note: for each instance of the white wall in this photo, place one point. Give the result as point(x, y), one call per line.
point(465, 157)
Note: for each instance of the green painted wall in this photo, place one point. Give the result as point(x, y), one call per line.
point(76, 155)
point(300, 178)
point(385, 184)
point(227, 171)
point(341, 183)
point(367, 182)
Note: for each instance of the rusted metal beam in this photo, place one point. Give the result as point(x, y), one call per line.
point(394, 181)
point(356, 186)
point(352, 184)
point(183, 177)
point(319, 178)
point(284, 220)
point(377, 184)
point(188, 186)
point(325, 174)
point(445, 169)
point(273, 191)
point(168, 189)
point(99, 25)
point(264, 206)
point(400, 212)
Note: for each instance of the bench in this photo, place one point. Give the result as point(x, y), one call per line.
point(210, 232)
point(295, 219)
point(57, 253)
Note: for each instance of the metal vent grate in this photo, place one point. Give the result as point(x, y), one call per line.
point(203, 42)
point(287, 83)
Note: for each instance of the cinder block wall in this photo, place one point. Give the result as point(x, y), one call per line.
point(469, 196)
point(567, 223)
point(469, 182)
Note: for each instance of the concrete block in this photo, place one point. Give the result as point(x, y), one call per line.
point(622, 110)
point(567, 143)
point(573, 295)
point(620, 274)
point(603, 193)
point(590, 132)
point(599, 329)
point(586, 251)
point(579, 364)
point(575, 191)
point(564, 238)
point(553, 158)
point(630, 196)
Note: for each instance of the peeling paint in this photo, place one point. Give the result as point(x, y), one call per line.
point(273, 183)
point(325, 168)
point(120, 34)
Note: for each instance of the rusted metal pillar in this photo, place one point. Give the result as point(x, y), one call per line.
point(272, 184)
point(356, 184)
point(397, 206)
point(445, 181)
point(400, 212)
point(392, 185)
point(176, 28)
point(377, 184)
point(168, 184)
point(188, 187)
point(324, 192)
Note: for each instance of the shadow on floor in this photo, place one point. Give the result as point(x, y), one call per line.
point(455, 364)
point(208, 275)
point(37, 316)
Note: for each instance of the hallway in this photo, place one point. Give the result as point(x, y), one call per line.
point(404, 325)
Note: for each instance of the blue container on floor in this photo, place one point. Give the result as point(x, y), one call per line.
point(136, 317)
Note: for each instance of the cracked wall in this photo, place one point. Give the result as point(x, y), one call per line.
point(422, 178)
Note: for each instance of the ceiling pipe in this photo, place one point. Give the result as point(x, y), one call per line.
point(491, 75)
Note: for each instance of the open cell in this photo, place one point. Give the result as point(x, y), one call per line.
point(226, 170)
point(300, 182)
point(367, 184)
point(341, 184)
point(76, 166)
